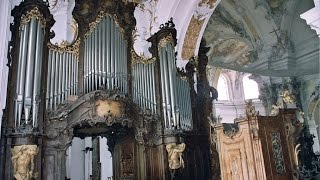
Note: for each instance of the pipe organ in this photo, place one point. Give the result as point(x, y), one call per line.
point(144, 90)
point(105, 56)
point(62, 76)
point(29, 72)
point(175, 92)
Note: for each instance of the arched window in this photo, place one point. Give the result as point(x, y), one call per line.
point(250, 88)
point(223, 93)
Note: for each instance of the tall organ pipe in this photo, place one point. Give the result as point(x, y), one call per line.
point(21, 71)
point(37, 75)
point(30, 69)
point(163, 89)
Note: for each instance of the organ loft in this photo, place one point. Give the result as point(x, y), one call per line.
point(129, 90)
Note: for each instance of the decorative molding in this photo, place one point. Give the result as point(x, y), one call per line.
point(191, 37)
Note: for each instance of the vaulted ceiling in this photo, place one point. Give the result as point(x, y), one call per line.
point(264, 37)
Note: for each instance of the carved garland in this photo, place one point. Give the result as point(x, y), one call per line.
point(34, 13)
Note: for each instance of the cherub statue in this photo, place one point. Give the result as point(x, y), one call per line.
point(175, 155)
point(23, 161)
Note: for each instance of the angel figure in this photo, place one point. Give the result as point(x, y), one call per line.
point(175, 155)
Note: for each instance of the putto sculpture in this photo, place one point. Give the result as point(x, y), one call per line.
point(175, 155)
point(23, 161)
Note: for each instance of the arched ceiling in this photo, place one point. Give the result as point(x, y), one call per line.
point(265, 37)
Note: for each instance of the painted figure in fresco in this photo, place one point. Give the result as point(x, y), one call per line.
point(23, 161)
point(175, 155)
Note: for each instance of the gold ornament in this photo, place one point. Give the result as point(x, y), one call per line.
point(34, 13)
point(175, 155)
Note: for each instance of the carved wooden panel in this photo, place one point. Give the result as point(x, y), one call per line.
point(240, 155)
point(272, 133)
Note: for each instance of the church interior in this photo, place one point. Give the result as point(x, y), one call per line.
point(159, 89)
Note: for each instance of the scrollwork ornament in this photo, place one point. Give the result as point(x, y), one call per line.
point(34, 13)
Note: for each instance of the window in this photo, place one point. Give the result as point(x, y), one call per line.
point(250, 88)
point(223, 93)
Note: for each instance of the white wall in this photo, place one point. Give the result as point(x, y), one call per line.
point(5, 35)
point(105, 159)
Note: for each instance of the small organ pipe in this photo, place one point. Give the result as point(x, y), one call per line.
point(96, 47)
point(153, 88)
point(63, 77)
point(85, 68)
point(60, 78)
point(116, 56)
point(109, 27)
point(103, 52)
point(52, 77)
point(50, 59)
point(99, 49)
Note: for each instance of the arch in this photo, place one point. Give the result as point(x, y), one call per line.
point(223, 88)
point(250, 87)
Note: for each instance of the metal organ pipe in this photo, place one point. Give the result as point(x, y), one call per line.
point(21, 72)
point(30, 70)
point(29, 73)
point(163, 89)
point(108, 69)
point(37, 74)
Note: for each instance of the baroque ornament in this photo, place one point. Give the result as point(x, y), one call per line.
point(164, 41)
point(175, 155)
point(136, 59)
point(101, 15)
point(34, 13)
point(23, 161)
point(63, 47)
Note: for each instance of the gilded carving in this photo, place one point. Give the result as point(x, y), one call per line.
point(136, 59)
point(191, 37)
point(34, 13)
point(164, 41)
point(63, 47)
point(23, 161)
point(100, 16)
point(175, 155)
point(287, 97)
